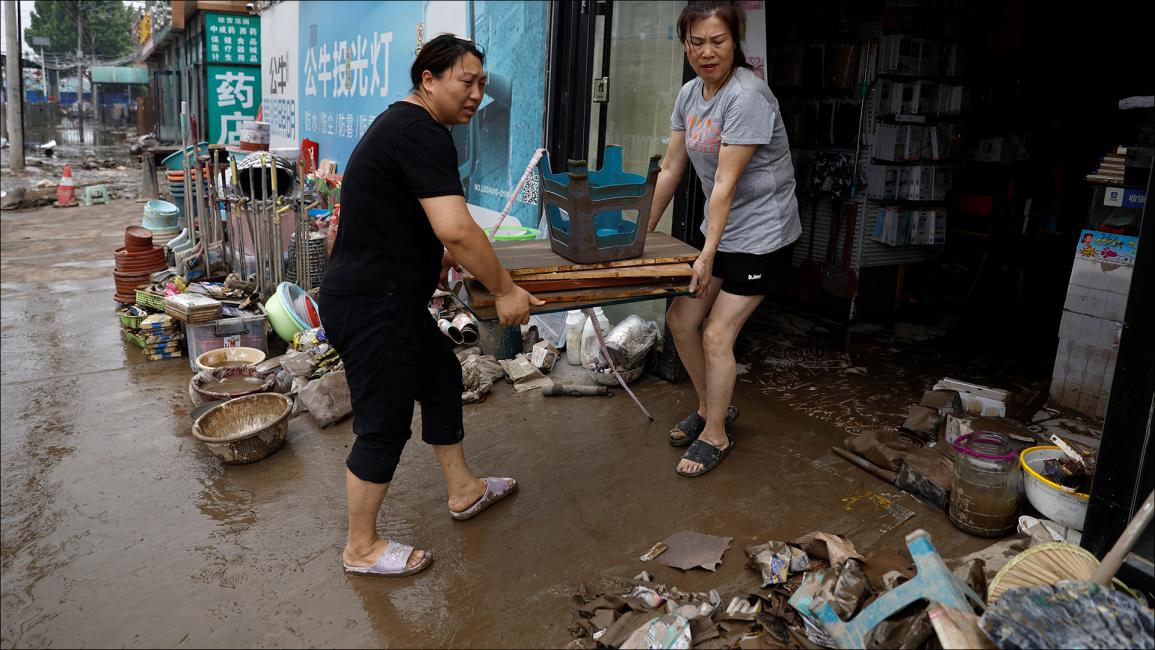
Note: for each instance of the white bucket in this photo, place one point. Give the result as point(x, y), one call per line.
point(1067, 508)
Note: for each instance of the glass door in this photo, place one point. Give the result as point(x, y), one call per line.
point(637, 69)
point(637, 72)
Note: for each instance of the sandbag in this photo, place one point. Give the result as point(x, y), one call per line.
point(327, 398)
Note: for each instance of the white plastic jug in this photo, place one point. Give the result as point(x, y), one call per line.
point(591, 356)
point(575, 320)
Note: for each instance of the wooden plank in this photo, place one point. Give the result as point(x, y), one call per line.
point(478, 296)
point(564, 284)
point(535, 256)
point(591, 298)
point(676, 270)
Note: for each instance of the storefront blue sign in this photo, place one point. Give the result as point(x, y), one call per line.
point(355, 59)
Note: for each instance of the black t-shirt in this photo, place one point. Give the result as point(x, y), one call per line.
point(384, 240)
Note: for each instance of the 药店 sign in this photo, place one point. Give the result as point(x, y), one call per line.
point(234, 96)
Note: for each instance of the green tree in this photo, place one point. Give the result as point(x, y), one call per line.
point(107, 26)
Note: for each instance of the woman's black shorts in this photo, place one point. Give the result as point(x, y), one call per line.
point(746, 274)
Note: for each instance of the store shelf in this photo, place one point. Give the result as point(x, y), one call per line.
point(911, 163)
point(909, 119)
point(940, 203)
point(921, 77)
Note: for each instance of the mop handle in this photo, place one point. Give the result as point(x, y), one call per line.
point(605, 352)
point(517, 190)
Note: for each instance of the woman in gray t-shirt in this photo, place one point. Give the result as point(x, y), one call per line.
point(726, 122)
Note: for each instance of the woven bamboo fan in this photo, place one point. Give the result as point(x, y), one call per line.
point(1044, 564)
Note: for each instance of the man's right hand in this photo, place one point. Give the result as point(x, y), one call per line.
point(513, 306)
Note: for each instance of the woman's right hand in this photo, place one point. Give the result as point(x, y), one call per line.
point(703, 270)
point(513, 306)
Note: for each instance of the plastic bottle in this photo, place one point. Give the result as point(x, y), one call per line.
point(591, 354)
point(575, 320)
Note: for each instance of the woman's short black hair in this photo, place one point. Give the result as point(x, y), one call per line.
point(728, 12)
point(441, 53)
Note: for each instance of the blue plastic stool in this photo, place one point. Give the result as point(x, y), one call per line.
point(934, 583)
point(584, 207)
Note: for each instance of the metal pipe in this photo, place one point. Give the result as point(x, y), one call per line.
point(880, 472)
point(449, 330)
point(256, 227)
point(187, 198)
point(264, 228)
point(278, 238)
point(224, 207)
point(198, 208)
point(464, 323)
point(304, 278)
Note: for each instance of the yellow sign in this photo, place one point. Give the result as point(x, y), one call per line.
point(145, 28)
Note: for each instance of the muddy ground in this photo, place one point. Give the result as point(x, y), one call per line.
point(120, 529)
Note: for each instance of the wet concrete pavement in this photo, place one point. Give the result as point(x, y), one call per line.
point(120, 529)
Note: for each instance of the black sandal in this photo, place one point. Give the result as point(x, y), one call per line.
point(706, 455)
point(693, 425)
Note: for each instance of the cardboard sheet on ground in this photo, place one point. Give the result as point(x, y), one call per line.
point(689, 549)
point(878, 515)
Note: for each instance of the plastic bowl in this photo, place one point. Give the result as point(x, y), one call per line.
point(229, 357)
point(1064, 506)
point(246, 429)
point(296, 303)
point(280, 317)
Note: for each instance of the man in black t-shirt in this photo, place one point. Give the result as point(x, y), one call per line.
point(403, 221)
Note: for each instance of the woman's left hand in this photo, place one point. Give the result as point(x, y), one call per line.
point(447, 262)
point(703, 269)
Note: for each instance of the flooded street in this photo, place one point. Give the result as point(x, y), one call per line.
point(120, 529)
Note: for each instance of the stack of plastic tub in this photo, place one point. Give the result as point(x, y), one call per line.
point(174, 171)
point(291, 310)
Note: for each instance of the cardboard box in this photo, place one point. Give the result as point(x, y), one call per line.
point(976, 399)
point(1082, 377)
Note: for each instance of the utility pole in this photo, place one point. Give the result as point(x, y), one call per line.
point(15, 98)
point(80, 72)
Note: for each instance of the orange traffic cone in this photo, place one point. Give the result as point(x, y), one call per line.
point(66, 191)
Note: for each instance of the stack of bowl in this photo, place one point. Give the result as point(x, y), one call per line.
point(135, 262)
point(162, 218)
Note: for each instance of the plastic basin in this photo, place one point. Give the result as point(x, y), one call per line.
point(245, 429)
point(206, 387)
point(281, 318)
point(160, 215)
point(173, 160)
point(1064, 506)
point(297, 303)
point(239, 356)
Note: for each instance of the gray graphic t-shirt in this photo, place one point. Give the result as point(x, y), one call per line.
point(764, 212)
